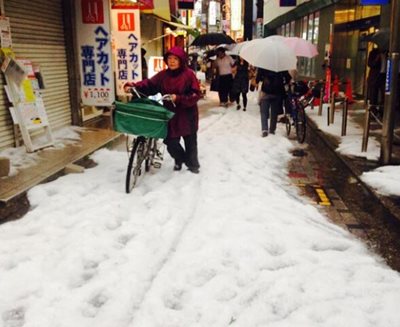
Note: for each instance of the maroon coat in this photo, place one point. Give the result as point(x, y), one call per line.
point(184, 84)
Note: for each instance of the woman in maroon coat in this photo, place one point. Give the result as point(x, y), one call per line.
point(181, 83)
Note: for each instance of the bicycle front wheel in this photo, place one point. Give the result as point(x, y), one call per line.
point(135, 163)
point(152, 146)
point(301, 125)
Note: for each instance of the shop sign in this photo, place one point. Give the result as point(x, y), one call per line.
point(155, 65)
point(388, 79)
point(212, 13)
point(94, 52)
point(186, 4)
point(128, 4)
point(126, 47)
point(236, 15)
point(374, 2)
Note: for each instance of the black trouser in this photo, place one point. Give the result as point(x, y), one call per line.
point(244, 96)
point(181, 155)
point(225, 86)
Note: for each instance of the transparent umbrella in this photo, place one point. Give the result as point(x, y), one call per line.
point(269, 53)
point(301, 47)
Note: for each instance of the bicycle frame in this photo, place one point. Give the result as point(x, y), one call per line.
point(143, 153)
point(297, 115)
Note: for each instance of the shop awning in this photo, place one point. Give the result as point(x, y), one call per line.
point(161, 10)
point(190, 30)
point(178, 25)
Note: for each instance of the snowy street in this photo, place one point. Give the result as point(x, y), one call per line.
point(235, 245)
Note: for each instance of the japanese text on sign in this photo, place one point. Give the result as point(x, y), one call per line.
point(97, 87)
point(127, 47)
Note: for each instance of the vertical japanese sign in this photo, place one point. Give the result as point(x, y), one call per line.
point(127, 53)
point(94, 53)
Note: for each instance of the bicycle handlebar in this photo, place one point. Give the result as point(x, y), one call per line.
point(168, 97)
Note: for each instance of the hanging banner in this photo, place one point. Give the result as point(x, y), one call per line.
point(186, 4)
point(126, 45)
point(94, 44)
point(128, 4)
point(287, 3)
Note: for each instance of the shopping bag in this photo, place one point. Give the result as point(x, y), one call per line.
point(214, 84)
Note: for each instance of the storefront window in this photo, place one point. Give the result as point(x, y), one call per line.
point(353, 12)
point(367, 11)
point(309, 31)
point(304, 28)
point(292, 27)
point(316, 28)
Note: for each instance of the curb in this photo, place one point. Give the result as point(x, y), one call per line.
point(356, 171)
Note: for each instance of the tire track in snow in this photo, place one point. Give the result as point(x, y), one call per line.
point(173, 246)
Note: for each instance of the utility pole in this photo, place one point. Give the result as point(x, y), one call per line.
point(392, 85)
point(260, 19)
point(248, 20)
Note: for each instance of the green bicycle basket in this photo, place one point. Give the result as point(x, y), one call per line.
point(144, 117)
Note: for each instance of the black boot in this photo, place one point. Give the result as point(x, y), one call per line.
point(177, 166)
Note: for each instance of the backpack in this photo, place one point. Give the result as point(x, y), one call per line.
point(273, 83)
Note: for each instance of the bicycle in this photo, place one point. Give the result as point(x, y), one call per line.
point(299, 97)
point(147, 120)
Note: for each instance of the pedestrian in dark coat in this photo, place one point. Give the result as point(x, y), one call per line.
point(181, 83)
point(241, 82)
point(271, 95)
point(376, 81)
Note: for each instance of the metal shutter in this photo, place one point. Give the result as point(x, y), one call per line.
point(37, 32)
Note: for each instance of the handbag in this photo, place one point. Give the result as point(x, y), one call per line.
point(214, 84)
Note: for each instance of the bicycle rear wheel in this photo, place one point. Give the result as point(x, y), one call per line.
point(301, 125)
point(135, 163)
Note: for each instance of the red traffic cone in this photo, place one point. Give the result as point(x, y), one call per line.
point(349, 91)
point(335, 86)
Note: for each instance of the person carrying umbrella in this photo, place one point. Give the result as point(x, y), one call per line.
point(223, 69)
point(271, 95)
point(181, 84)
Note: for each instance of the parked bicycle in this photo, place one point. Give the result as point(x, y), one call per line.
point(299, 97)
point(147, 120)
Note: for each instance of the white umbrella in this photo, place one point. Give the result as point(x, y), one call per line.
point(237, 47)
point(301, 47)
point(269, 53)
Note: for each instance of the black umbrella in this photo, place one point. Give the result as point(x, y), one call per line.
point(212, 39)
point(381, 38)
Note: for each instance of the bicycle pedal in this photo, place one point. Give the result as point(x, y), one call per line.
point(157, 165)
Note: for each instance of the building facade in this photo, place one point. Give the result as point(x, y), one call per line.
point(343, 26)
